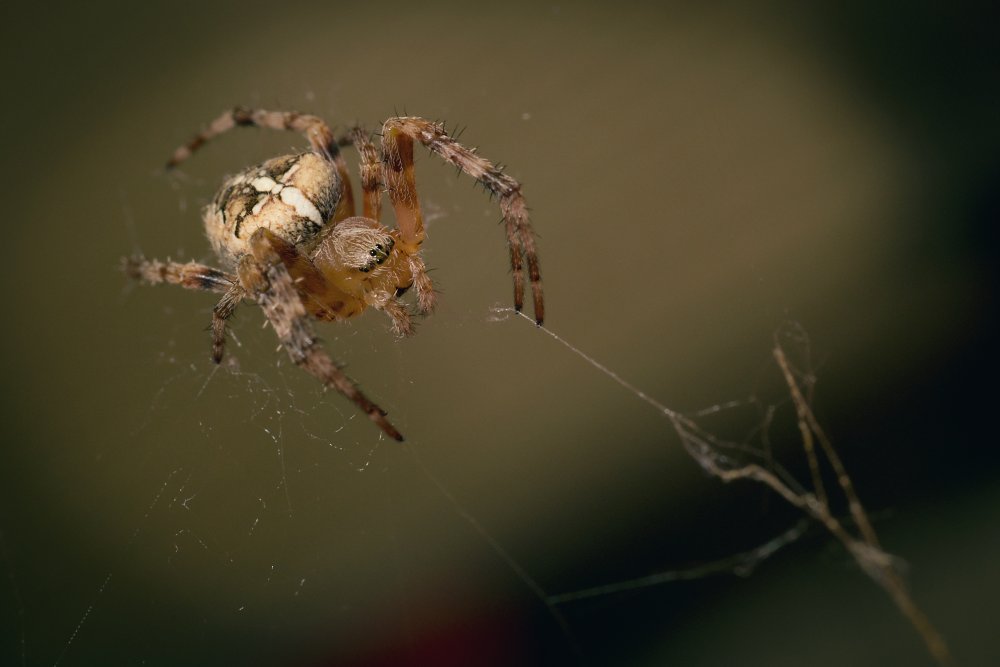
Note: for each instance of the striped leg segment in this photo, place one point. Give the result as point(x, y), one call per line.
point(193, 276)
point(371, 173)
point(266, 275)
point(220, 316)
point(398, 136)
point(190, 275)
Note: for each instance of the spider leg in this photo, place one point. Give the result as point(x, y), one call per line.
point(426, 297)
point(313, 128)
point(371, 185)
point(402, 324)
point(220, 315)
point(398, 135)
point(371, 173)
point(321, 298)
point(266, 277)
point(193, 276)
point(190, 275)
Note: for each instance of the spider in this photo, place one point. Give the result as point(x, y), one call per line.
point(287, 237)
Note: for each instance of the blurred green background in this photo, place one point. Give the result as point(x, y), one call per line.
point(697, 177)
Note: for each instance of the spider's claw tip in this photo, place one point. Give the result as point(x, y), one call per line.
point(391, 431)
point(538, 321)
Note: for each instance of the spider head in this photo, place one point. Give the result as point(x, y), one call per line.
point(377, 253)
point(357, 253)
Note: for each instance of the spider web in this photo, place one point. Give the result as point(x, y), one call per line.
point(256, 486)
point(282, 413)
point(240, 419)
point(271, 494)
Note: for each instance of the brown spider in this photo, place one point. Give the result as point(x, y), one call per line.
point(286, 234)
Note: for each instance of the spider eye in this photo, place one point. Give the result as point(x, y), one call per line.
point(364, 269)
point(371, 252)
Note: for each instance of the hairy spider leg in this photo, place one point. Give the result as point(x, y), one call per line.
point(371, 173)
point(371, 184)
point(190, 275)
point(220, 316)
point(313, 128)
point(194, 276)
point(321, 299)
point(266, 277)
point(426, 296)
point(398, 135)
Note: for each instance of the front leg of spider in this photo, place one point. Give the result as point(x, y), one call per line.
point(398, 137)
point(372, 182)
point(266, 277)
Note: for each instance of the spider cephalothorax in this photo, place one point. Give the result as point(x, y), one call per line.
point(287, 236)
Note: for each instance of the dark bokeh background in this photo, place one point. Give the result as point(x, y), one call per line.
point(698, 177)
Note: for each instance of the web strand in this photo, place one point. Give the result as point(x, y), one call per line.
point(741, 564)
point(504, 555)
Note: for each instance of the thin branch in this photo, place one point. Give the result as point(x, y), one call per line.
point(706, 450)
point(868, 553)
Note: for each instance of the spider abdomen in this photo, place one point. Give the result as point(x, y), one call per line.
point(293, 196)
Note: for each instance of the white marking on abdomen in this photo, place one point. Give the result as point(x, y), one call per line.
point(263, 184)
point(305, 208)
